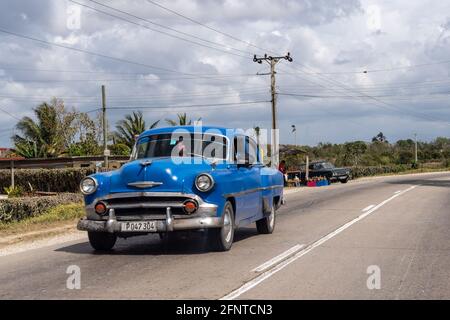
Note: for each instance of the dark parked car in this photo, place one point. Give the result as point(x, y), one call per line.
point(329, 171)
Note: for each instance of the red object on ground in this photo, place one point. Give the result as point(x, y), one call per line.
point(311, 184)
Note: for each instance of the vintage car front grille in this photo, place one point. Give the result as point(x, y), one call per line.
point(147, 211)
point(146, 206)
point(148, 200)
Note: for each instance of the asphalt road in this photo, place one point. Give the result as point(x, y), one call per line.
point(382, 238)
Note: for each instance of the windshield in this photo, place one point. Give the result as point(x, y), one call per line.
point(327, 165)
point(181, 145)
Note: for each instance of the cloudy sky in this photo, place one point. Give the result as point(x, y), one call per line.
point(198, 58)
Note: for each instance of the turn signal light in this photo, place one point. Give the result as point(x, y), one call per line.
point(190, 206)
point(100, 208)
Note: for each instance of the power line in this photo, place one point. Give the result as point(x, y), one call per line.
point(366, 71)
point(263, 49)
point(123, 73)
point(187, 93)
point(421, 65)
point(10, 114)
point(100, 54)
point(162, 26)
point(356, 97)
point(88, 52)
point(184, 106)
point(208, 27)
point(379, 102)
point(130, 79)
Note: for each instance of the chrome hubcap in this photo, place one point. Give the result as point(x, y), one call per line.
point(227, 225)
point(272, 218)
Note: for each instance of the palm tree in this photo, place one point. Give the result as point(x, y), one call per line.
point(130, 127)
point(181, 121)
point(41, 138)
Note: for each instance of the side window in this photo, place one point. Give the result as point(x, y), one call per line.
point(244, 150)
point(251, 151)
point(239, 149)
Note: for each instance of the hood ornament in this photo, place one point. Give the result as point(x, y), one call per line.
point(144, 184)
point(145, 163)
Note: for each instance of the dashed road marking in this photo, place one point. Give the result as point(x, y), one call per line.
point(368, 208)
point(270, 263)
point(284, 263)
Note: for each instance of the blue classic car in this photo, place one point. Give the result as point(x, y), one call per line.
point(183, 178)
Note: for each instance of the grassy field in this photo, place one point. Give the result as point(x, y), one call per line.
point(411, 171)
point(53, 218)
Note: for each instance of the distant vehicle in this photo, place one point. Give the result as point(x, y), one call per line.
point(172, 184)
point(328, 170)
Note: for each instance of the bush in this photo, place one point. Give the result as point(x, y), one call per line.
point(52, 180)
point(120, 149)
point(17, 209)
point(358, 172)
point(13, 192)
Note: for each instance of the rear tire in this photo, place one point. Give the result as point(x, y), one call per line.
point(102, 241)
point(266, 225)
point(344, 180)
point(221, 239)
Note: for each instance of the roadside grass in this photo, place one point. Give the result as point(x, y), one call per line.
point(411, 171)
point(53, 218)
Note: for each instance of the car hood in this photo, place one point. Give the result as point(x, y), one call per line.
point(157, 174)
point(341, 171)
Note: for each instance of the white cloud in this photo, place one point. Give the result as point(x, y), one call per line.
point(327, 36)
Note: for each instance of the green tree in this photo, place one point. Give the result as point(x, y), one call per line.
point(182, 120)
point(43, 137)
point(380, 137)
point(128, 128)
point(353, 151)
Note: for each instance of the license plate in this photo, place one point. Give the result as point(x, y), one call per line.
point(139, 226)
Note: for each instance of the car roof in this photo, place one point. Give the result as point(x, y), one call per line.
point(193, 129)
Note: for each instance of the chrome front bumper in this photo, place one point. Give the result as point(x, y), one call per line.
point(163, 225)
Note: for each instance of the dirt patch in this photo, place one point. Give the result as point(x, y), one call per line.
point(36, 232)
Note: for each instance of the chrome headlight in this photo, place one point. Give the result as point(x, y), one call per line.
point(88, 185)
point(204, 182)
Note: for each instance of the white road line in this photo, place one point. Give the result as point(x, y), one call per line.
point(398, 191)
point(368, 208)
point(254, 282)
point(266, 265)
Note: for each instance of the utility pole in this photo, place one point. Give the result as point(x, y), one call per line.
point(272, 62)
point(105, 129)
point(294, 130)
point(415, 148)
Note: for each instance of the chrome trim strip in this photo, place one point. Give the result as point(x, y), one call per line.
point(161, 225)
point(144, 184)
point(203, 207)
point(141, 205)
point(241, 193)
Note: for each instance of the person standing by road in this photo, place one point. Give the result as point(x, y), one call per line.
point(282, 168)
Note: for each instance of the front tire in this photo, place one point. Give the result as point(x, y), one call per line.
point(221, 239)
point(344, 180)
point(266, 225)
point(102, 241)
